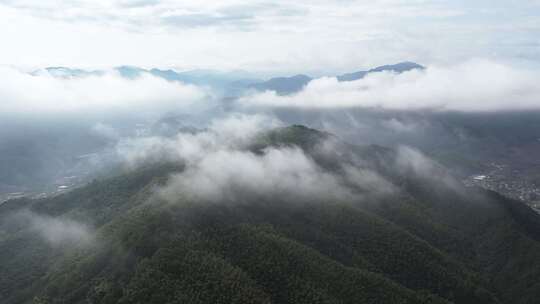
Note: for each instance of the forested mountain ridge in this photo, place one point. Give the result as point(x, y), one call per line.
point(406, 233)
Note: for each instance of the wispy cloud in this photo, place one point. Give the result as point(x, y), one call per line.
point(233, 131)
point(220, 167)
point(55, 230)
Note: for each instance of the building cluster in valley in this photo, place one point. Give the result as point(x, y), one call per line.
point(59, 186)
point(508, 181)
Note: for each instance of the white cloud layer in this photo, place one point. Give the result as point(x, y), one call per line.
point(277, 173)
point(219, 167)
point(478, 85)
point(24, 93)
point(236, 130)
point(229, 175)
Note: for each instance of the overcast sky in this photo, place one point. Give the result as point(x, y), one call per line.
point(270, 36)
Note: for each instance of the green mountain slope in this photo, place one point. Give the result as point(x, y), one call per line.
point(429, 241)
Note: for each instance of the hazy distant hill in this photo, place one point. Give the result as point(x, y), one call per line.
point(64, 72)
point(397, 68)
point(288, 85)
point(283, 85)
point(430, 241)
point(232, 82)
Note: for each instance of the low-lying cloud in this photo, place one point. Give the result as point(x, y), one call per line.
point(279, 174)
point(56, 231)
point(229, 175)
point(233, 131)
point(411, 162)
point(43, 93)
point(476, 85)
point(220, 167)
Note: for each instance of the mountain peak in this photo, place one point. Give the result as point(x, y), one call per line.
point(293, 135)
point(400, 67)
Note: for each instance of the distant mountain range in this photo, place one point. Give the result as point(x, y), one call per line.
point(397, 68)
point(229, 81)
point(289, 85)
point(283, 85)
